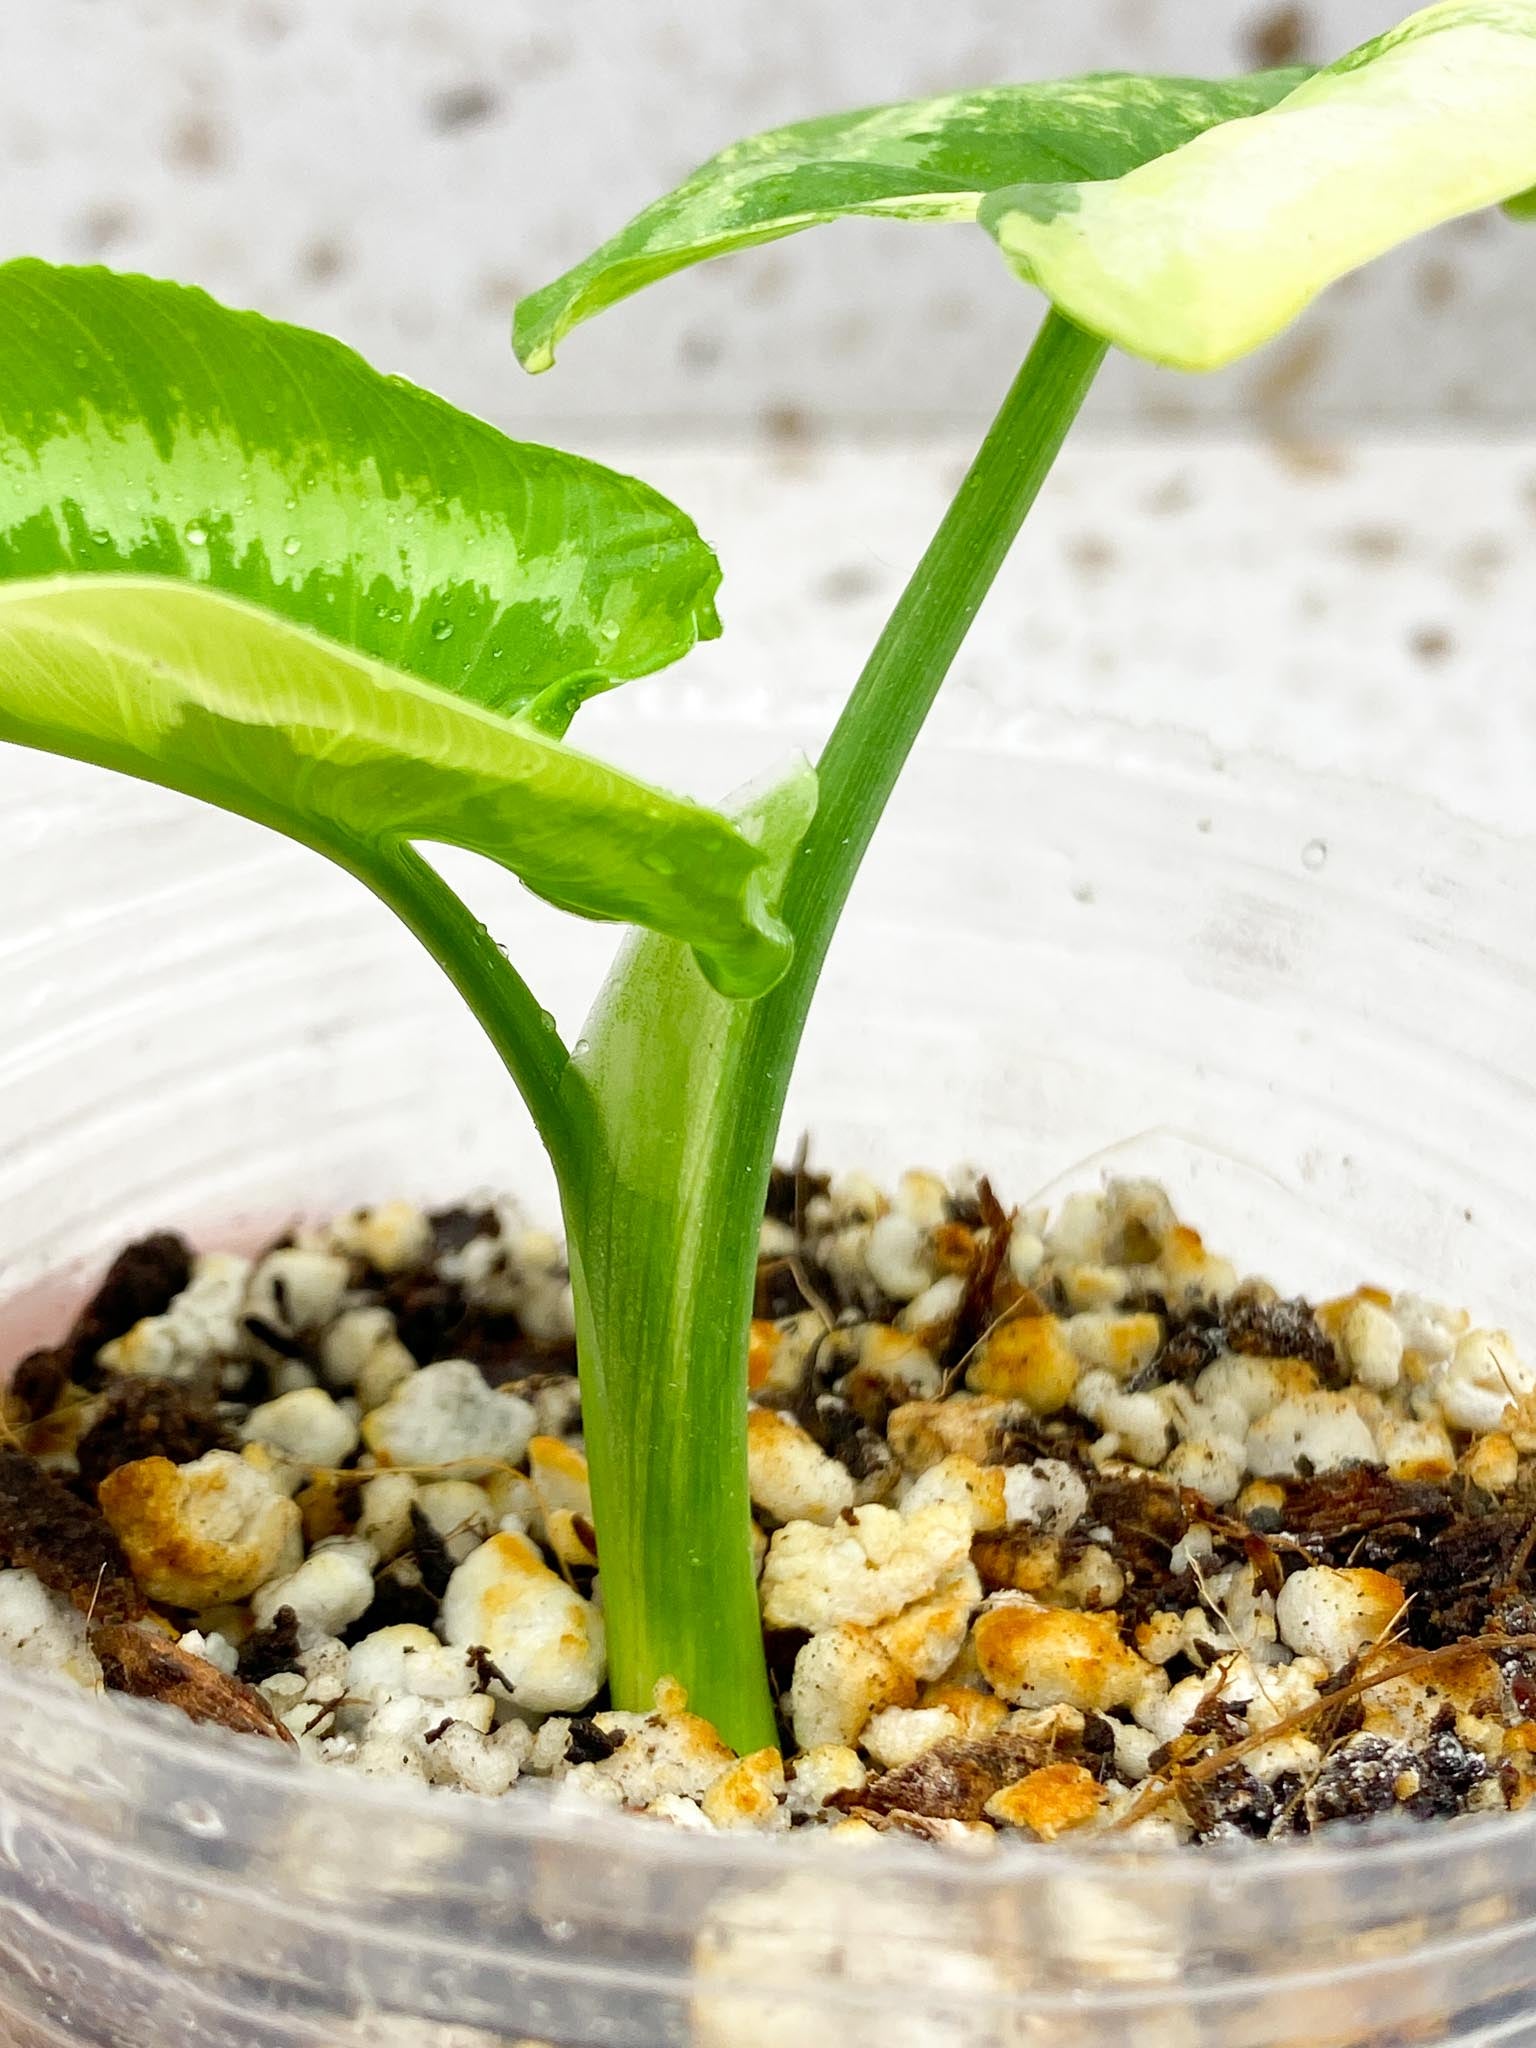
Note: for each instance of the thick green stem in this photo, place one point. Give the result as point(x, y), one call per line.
point(663, 1245)
point(683, 1094)
point(663, 1233)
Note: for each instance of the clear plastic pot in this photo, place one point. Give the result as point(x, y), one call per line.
point(1310, 1007)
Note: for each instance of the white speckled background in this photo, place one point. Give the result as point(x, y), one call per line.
point(1369, 609)
point(400, 169)
point(1328, 550)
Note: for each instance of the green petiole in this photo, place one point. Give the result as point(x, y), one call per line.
point(869, 745)
point(522, 1031)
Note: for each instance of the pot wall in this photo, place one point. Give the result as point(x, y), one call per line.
point(1308, 1006)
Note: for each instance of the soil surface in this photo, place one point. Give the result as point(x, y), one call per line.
point(1065, 1528)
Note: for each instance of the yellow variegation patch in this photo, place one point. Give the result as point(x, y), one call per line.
point(1200, 256)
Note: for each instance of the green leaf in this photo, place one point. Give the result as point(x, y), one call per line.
point(145, 429)
point(931, 159)
point(214, 697)
point(1199, 257)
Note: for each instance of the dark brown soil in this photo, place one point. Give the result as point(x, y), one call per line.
point(46, 1529)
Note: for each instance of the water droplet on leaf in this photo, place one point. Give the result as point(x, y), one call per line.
point(101, 538)
point(608, 631)
point(195, 534)
point(442, 629)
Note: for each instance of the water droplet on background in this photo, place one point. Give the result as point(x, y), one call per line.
point(1314, 855)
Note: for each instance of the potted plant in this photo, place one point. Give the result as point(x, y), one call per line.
point(244, 566)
